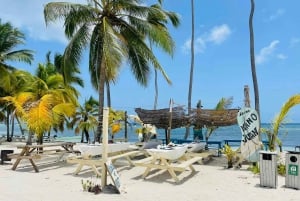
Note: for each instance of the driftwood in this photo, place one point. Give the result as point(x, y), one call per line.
point(198, 117)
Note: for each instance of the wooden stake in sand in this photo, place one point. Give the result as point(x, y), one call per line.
point(104, 146)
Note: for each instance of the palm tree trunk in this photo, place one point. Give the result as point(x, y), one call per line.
point(156, 89)
point(101, 102)
point(187, 133)
point(252, 59)
point(108, 93)
point(7, 125)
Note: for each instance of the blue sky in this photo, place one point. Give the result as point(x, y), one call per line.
point(222, 59)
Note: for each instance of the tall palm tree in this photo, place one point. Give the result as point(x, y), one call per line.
point(85, 118)
point(115, 32)
point(10, 38)
point(252, 58)
point(68, 70)
point(170, 16)
point(192, 68)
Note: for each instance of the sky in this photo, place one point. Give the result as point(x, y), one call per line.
point(222, 54)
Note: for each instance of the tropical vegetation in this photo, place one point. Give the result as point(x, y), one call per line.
point(278, 122)
point(10, 39)
point(114, 31)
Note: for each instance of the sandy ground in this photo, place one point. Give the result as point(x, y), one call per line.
point(210, 182)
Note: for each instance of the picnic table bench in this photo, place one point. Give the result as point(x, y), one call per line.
point(171, 160)
point(36, 151)
point(94, 162)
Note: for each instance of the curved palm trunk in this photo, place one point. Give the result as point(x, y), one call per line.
point(252, 58)
point(187, 133)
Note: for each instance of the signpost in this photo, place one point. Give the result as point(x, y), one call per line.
point(248, 121)
point(114, 174)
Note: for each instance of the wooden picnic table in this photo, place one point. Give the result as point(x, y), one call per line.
point(35, 151)
point(91, 155)
point(164, 158)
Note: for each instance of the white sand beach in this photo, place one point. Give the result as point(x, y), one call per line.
point(210, 182)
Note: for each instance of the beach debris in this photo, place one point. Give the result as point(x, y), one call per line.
point(110, 189)
point(91, 187)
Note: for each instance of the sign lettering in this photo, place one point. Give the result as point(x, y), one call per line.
point(248, 121)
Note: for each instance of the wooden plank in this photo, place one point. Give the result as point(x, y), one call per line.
point(14, 156)
point(188, 163)
point(131, 153)
point(141, 162)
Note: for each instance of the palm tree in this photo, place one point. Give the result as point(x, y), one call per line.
point(272, 133)
point(12, 82)
point(40, 113)
point(173, 17)
point(10, 38)
point(191, 69)
point(252, 58)
point(85, 119)
point(223, 104)
point(115, 32)
point(68, 70)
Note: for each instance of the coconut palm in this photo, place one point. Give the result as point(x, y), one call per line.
point(12, 82)
point(85, 119)
point(43, 101)
point(279, 120)
point(115, 32)
point(68, 70)
point(223, 104)
point(163, 19)
point(40, 113)
point(10, 38)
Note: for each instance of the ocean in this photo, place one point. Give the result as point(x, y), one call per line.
point(289, 134)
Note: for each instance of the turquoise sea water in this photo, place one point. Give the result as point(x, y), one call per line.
point(288, 133)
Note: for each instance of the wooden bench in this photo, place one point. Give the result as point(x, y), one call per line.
point(32, 156)
point(143, 162)
point(36, 151)
point(87, 160)
point(185, 164)
point(163, 164)
point(126, 155)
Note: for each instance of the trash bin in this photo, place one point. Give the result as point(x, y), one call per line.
point(4, 155)
point(268, 169)
point(292, 178)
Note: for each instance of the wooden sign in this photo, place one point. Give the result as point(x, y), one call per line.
point(113, 174)
point(248, 121)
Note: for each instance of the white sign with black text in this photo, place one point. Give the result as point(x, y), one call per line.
point(248, 121)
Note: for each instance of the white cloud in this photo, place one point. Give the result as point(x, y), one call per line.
point(219, 34)
point(28, 16)
point(281, 56)
point(216, 35)
point(276, 15)
point(294, 42)
point(266, 52)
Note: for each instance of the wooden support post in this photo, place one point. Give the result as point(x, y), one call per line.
point(105, 146)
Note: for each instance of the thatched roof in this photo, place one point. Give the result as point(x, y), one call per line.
point(199, 117)
point(209, 117)
point(160, 118)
